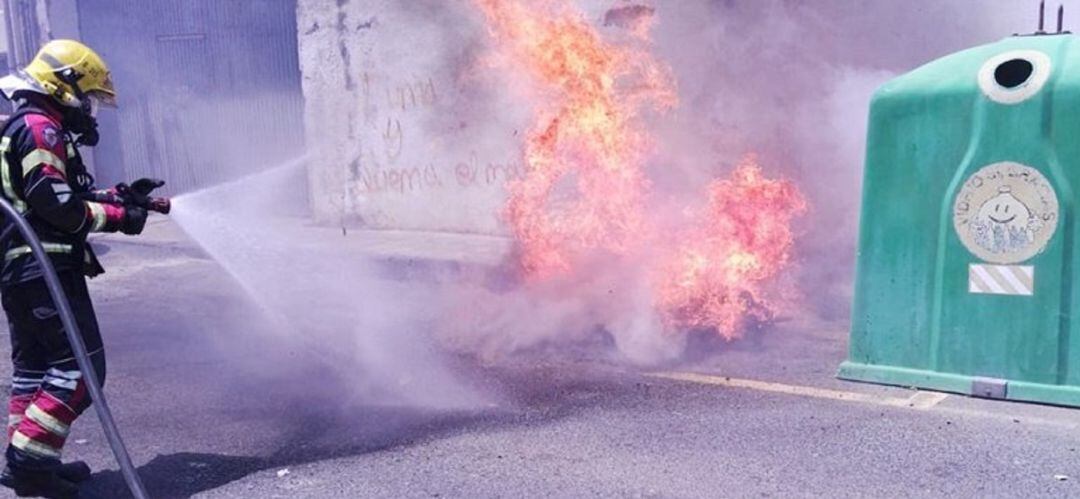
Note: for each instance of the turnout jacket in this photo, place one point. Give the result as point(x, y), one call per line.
point(44, 177)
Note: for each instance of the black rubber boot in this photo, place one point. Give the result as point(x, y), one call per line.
point(75, 471)
point(46, 484)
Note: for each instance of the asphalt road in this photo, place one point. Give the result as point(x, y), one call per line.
point(204, 416)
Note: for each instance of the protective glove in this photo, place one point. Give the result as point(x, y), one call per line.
point(134, 220)
point(144, 186)
point(138, 193)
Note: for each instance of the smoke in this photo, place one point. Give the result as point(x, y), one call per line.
point(792, 81)
point(787, 80)
point(319, 296)
point(609, 315)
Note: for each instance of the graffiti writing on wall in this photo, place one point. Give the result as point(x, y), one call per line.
point(476, 173)
point(397, 180)
point(412, 95)
point(395, 157)
point(393, 136)
point(472, 173)
point(402, 100)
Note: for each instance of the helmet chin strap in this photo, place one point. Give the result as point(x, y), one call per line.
point(80, 121)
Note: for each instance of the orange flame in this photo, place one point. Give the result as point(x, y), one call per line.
point(584, 192)
point(585, 155)
point(744, 241)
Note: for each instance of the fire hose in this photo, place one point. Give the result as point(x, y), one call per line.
point(93, 384)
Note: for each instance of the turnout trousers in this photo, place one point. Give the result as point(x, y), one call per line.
point(48, 390)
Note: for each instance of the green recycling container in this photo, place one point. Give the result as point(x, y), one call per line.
point(967, 254)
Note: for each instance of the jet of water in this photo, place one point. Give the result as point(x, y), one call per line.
point(318, 294)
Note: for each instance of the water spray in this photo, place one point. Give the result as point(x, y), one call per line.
point(93, 384)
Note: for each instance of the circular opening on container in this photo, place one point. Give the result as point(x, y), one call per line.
point(1013, 73)
point(1015, 76)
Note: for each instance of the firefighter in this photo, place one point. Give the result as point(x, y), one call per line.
point(55, 100)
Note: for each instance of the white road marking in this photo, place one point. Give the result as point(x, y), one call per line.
point(926, 400)
point(919, 401)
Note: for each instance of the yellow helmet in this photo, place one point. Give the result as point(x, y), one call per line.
point(69, 71)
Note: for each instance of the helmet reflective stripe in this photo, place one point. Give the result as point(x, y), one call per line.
point(52, 61)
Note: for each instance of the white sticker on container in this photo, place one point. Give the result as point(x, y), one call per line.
point(1006, 213)
point(1001, 279)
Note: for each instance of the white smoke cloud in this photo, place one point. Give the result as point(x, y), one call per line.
point(792, 82)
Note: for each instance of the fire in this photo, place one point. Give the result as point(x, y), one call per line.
point(744, 240)
point(585, 155)
point(585, 190)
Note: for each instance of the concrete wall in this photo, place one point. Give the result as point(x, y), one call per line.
point(31, 23)
point(209, 90)
point(393, 96)
point(59, 19)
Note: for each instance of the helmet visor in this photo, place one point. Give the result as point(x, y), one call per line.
point(101, 99)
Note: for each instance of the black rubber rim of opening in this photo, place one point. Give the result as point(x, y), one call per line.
point(1013, 73)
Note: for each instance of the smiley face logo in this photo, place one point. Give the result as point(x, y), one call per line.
point(1006, 213)
point(1004, 208)
point(1004, 223)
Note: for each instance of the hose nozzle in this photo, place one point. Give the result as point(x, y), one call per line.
point(160, 205)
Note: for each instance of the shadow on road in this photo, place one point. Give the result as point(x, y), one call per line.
point(313, 439)
point(176, 475)
point(312, 433)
